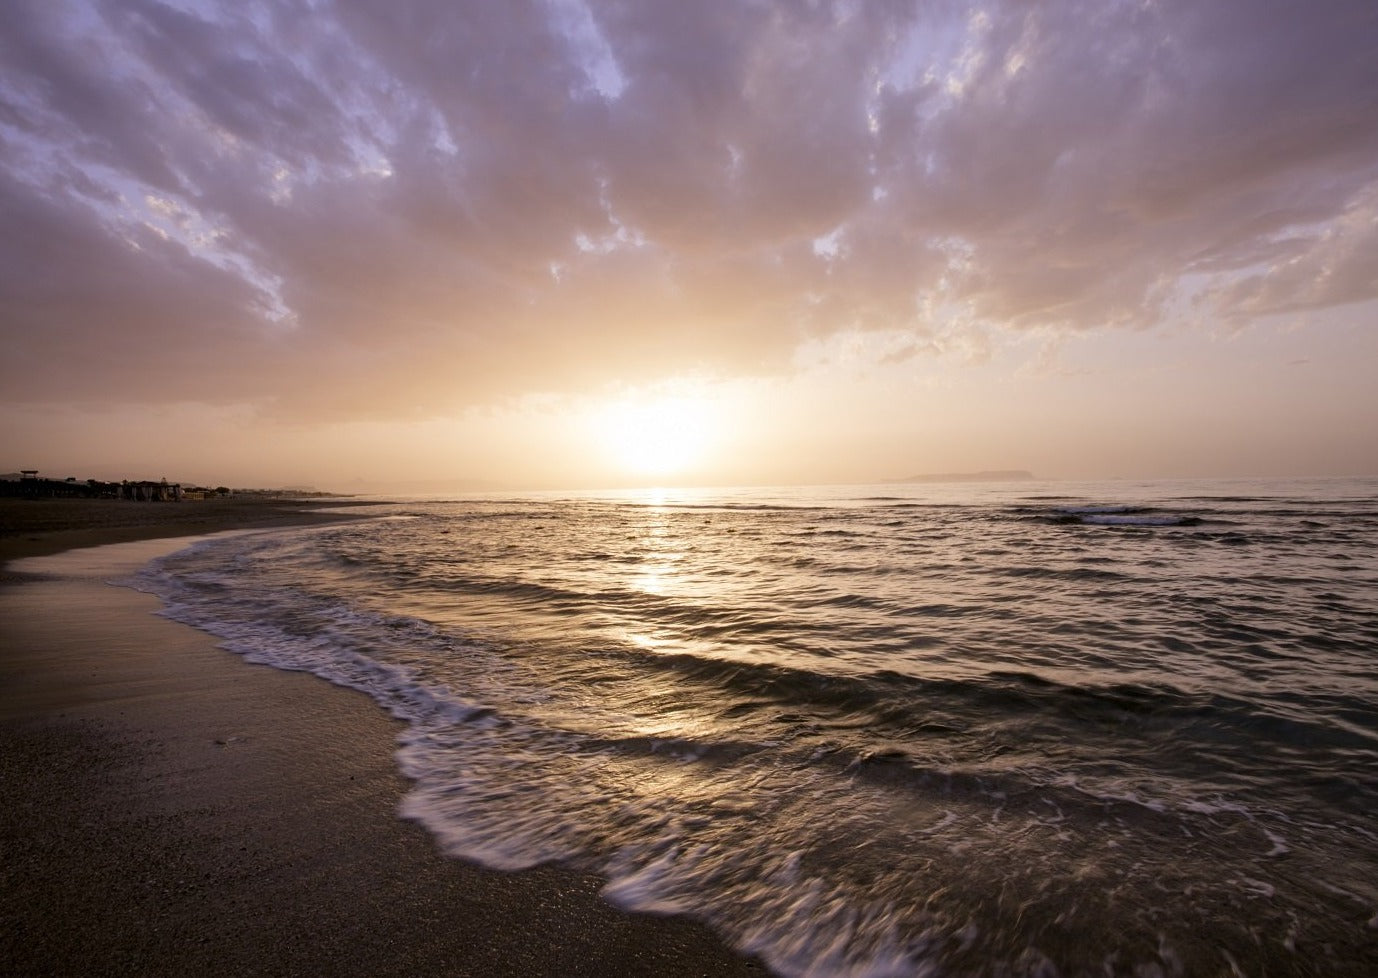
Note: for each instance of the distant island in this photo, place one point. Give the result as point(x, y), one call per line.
point(995, 475)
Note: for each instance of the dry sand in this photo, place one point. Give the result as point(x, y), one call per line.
point(169, 809)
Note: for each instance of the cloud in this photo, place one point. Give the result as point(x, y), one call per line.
point(336, 209)
point(1312, 268)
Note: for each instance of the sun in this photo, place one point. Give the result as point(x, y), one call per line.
point(656, 435)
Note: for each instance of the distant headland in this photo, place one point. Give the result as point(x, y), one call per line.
point(993, 475)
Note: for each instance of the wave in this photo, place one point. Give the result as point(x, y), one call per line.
point(1119, 515)
point(1003, 739)
point(1146, 519)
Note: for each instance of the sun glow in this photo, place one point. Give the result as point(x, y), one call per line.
point(657, 435)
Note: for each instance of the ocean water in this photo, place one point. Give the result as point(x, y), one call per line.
point(1018, 729)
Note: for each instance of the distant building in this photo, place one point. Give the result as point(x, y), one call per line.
point(151, 492)
point(30, 485)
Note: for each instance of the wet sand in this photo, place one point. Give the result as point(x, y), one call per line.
point(31, 527)
point(168, 809)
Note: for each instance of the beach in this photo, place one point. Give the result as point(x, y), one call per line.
point(167, 808)
point(33, 527)
point(821, 731)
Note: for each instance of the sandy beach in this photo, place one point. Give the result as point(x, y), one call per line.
point(168, 809)
point(32, 527)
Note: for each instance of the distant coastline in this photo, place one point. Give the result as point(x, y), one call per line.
point(993, 475)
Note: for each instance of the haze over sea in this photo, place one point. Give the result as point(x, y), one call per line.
point(999, 729)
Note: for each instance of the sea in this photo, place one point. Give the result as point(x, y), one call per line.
point(1003, 729)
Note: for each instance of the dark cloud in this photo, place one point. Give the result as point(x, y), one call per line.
point(353, 208)
point(93, 312)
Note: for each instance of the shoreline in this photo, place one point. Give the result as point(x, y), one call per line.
point(39, 527)
point(167, 808)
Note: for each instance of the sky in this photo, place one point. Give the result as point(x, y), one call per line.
point(584, 243)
